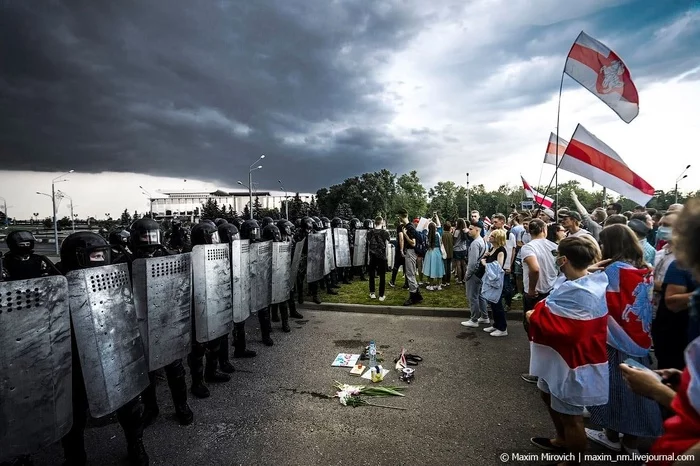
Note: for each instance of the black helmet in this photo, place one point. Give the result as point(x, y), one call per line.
point(204, 233)
point(208, 220)
point(176, 222)
point(307, 224)
point(20, 242)
point(325, 222)
point(297, 223)
point(219, 221)
point(266, 221)
point(345, 224)
point(336, 222)
point(227, 233)
point(238, 222)
point(84, 249)
point(119, 237)
point(250, 230)
point(368, 224)
point(271, 233)
point(318, 224)
point(145, 233)
point(286, 228)
point(355, 224)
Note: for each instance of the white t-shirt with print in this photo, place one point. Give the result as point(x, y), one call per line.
point(543, 250)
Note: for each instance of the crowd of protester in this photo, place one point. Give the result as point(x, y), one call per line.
point(616, 287)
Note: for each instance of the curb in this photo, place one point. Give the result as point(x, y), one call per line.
point(515, 315)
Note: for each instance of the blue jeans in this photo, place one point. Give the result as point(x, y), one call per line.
point(477, 304)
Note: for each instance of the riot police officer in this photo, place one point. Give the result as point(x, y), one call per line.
point(83, 250)
point(266, 221)
point(119, 242)
point(227, 234)
point(145, 242)
point(204, 232)
point(286, 229)
point(272, 233)
point(307, 226)
point(250, 230)
point(21, 263)
point(247, 230)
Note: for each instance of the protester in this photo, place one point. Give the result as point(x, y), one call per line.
point(519, 231)
point(539, 271)
point(656, 218)
point(475, 216)
point(591, 222)
point(556, 233)
point(493, 282)
point(571, 221)
point(409, 241)
point(546, 215)
point(663, 258)
point(473, 278)
point(663, 234)
point(461, 243)
point(629, 337)
point(448, 244)
point(641, 230)
point(616, 219)
point(571, 362)
point(675, 208)
point(399, 257)
point(377, 239)
point(433, 267)
point(613, 209)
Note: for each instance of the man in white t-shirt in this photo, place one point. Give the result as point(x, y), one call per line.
point(571, 221)
point(539, 271)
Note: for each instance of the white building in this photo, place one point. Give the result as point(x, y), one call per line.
point(188, 202)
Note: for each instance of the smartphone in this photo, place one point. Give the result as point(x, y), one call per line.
point(632, 363)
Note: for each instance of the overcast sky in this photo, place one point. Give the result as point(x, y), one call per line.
point(152, 92)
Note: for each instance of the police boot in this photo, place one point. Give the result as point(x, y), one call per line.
point(196, 363)
point(334, 280)
point(224, 362)
point(293, 310)
point(175, 373)
point(274, 314)
point(150, 402)
point(265, 326)
point(211, 374)
point(285, 318)
point(345, 276)
point(362, 274)
point(239, 342)
point(329, 289)
point(137, 453)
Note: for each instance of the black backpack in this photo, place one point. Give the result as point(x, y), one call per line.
point(421, 246)
point(377, 246)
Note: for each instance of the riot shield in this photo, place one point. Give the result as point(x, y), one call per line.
point(329, 257)
point(315, 257)
point(213, 302)
point(107, 335)
point(260, 275)
point(240, 280)
point(342, 247)
point(281, 267)
point(390, 253)
point(35, 365)
point(296, 262)
point(359, 256)
point(163, 300)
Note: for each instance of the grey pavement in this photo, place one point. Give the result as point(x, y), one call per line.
point(466, 406)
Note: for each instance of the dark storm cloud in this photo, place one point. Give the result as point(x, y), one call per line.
point(199, 89)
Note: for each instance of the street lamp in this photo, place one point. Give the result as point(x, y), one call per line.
point(682, 176)
point(150, 199)
point(53, 203)
point(5, 211)
point(72, 217)
point(468, 196)
point(286, 200)
point(250, 183)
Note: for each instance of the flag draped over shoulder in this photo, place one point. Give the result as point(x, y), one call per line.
point(553, 151)
point(682, 431)
point(629, 299)
point(602, 71)
point(568, 333)
point(591, 158)
point(540, 199)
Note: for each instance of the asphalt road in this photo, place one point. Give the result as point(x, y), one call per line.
point(466, 406)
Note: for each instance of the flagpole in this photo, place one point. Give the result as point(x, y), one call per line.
point(556, 169)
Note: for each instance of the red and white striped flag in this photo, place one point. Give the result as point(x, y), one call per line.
point(591, 158)
point(550, 156)
point(540, 199)
point(568, 349)
point(601, 71)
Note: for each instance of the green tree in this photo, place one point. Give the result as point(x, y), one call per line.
point(443, 200)
point(64, 223)
point(297, 207)
point(48, 222)
point(211, 209)
point(257, 208)
point(313, 208)
point(343, 211)
point(410, 195)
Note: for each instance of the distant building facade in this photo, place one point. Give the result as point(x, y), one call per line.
point(183, 203)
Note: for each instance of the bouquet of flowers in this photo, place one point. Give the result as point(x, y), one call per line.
point(356, 395)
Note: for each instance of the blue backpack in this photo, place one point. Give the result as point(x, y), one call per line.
point(421, 246)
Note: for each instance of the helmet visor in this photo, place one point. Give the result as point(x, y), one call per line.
point(150, 237)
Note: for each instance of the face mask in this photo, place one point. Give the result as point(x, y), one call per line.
point(560, 264)
point(664, 233)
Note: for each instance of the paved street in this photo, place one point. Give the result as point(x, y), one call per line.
point(466, 406)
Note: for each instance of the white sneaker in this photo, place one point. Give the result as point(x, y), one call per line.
point(482, 320)
point(470, 323)
point(429, 288)
point(372, 296)
point(489, 329)
point(382, 298)
point(439, 288)
point(599, 437)
point(499, 333)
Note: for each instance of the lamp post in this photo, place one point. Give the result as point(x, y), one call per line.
point(286, 201)
point(150, 199)
point(250, 183)
point(682, 176)
point(4, 201)
point(72, 217)
point(468, 197)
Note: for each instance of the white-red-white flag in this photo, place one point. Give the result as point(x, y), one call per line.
point(591, 158)
point(553, 151)
point(540, 199)
point(602, 71)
